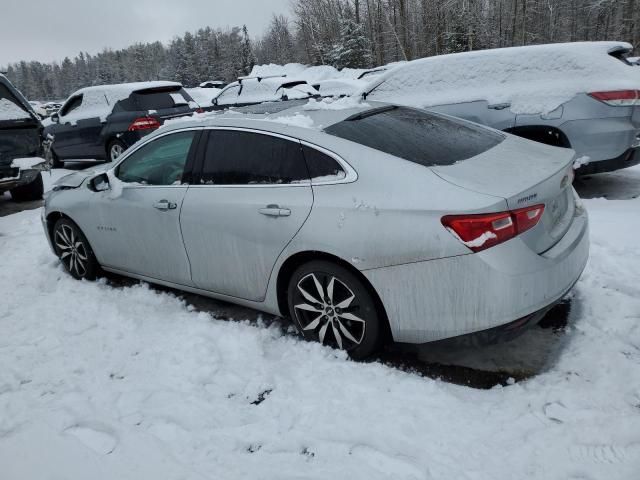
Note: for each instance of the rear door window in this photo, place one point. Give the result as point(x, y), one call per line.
point(322, 168)
point(415, 135)
point(246, 158)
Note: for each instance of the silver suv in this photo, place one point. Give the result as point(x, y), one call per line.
point(584, 95)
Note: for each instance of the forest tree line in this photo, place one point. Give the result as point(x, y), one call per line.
point(342, 33)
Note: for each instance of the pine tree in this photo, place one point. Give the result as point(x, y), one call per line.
point(353, 49)
point(247, 60)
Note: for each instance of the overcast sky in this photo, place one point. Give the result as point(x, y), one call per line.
point(49, 30)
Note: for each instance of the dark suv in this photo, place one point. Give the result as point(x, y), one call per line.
point(20, 145)
point(99, 123)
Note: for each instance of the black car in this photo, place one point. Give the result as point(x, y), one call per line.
point(99, 123)
point(20, 145)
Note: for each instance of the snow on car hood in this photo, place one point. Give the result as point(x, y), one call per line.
point(533, 80)
point(74, 180)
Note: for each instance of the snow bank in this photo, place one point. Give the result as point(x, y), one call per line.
point(11, 111)
point(533, 79)
point(110, 382)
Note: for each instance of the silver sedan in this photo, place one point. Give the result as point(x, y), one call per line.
point(363, 224)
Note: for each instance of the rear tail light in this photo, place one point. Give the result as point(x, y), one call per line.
point(482, 231)
point(618, 98)
point(199, 110)
point(144, 123)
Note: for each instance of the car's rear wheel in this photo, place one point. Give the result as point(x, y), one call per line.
point(331, 305)
point(115, 149)
point(31, 191)
point(73, 249)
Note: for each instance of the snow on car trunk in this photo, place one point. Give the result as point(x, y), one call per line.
point(102, 381)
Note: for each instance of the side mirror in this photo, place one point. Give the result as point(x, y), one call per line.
point(100, 183)
point(55, 118)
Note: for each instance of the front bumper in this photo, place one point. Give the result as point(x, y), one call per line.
point(12, 177)
point(628, 159)
point(449, 297)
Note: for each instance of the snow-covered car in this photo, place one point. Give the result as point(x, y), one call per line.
point(582, 95)
point(20, 145)
point(219, 84)
point(203, 96)
point(38, 107)
point(340, 87)
point(359, 223)
point(99, 123)
point(254, 90)
point(52, 107)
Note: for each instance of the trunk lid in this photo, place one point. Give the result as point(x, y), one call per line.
point(20, 128)
point(524, 173)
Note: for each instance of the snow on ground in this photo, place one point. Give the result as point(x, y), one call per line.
point(107, 382)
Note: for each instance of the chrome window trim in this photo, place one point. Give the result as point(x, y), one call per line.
point(350, 174)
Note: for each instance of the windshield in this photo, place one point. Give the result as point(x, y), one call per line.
point(415, 135)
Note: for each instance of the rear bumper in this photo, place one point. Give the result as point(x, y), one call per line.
point(628, 159)
point(449, 297)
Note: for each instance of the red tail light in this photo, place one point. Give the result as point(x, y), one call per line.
point(618, 98)
point(199, 110)
point(479, 232)
point(144, 123)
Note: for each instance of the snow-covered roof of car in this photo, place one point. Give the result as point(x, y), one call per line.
point(120, 91)
point(532, 80)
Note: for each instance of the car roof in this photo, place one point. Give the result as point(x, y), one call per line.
point(130, 87)
point(305, 121)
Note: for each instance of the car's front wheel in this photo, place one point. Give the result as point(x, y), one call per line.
point(73, 249)
point(331, 305)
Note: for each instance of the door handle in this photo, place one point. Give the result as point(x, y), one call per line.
point(275, 211)
point(165, 205)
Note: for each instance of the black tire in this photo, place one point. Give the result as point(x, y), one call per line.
point(360, 338)
point(74, 251)
point(30, 191)
point(115, 149)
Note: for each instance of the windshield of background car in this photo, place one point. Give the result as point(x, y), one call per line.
point(417, 136)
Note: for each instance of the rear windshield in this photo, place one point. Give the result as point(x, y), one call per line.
point(415, 135)
point(156, 99)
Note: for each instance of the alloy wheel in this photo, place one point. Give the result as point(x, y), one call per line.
point(326, 307)
point(116, 151)
point(73, 251)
